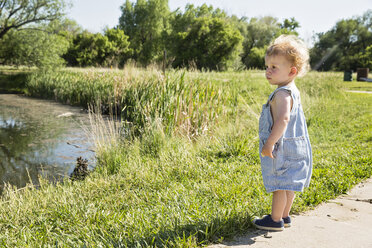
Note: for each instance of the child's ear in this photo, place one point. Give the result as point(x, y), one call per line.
point(293, 71)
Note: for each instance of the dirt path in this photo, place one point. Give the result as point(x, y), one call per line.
point(358, 91)
point(345, 222)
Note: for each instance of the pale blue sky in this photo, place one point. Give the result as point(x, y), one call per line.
point(314, 16)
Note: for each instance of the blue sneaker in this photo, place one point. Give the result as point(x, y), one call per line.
point(287, 221)
point(267, 223)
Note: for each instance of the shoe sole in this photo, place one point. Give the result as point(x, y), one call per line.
point(287, 225)
point(269, 228)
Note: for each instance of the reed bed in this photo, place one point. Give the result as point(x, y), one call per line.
point(142, 99)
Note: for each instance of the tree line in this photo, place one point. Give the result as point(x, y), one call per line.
point(36, 33)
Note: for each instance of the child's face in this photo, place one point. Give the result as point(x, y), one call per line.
point(279, 71)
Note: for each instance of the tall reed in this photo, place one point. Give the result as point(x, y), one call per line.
point(144, 99)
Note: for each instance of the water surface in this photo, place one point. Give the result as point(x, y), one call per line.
point(40, 137)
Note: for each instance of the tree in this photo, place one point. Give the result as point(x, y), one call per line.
point(260, 32)
point(145, 22)
point(345, 46)
point(16, 14)
point(118, 50)
point(40, 45)
point(289, 26)
point(256, 58)
point(236, 62)
point(203, 37)
point(33, 48)
point(64, 27)
point(88, 49)
point(209, 43)
point(366, 57)
point(180, 22)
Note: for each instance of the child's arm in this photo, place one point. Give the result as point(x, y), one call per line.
point(280, 109)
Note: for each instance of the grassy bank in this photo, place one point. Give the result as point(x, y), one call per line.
point(13, 80)
point(172, 187)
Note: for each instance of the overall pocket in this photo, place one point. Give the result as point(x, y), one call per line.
point(295, 148)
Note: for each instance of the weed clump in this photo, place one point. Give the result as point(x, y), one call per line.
point(81, 170)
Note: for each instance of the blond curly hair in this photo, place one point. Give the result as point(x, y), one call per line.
point(294, 49)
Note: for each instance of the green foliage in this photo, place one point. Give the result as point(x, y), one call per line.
point(87, 50)
point(289, 26)
point(366, 57)
point(180, 22)
point(255, 58)
point(145, 22)
point(118, 50)
point(33, 48)
point(64, 27)
point(17, 14)
point(203, 38)
point(42, 45)
point(345, 46)
point(110, 49)
point(260, 32)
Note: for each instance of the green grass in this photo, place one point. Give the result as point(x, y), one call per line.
point(13, 82)
point(358, 86)
point(165, 189)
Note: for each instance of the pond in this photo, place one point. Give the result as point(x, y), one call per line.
point(40, 137)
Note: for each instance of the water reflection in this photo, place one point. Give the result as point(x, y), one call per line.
point(39, 137)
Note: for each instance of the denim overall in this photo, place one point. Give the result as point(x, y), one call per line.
point(291, 167)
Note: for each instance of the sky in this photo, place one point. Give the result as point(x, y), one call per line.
point(314, 16)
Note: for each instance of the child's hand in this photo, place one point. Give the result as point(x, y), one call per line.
point(267, 150)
